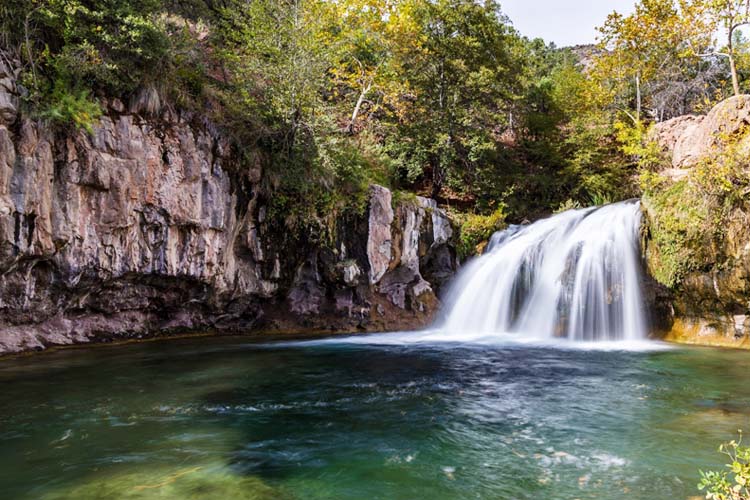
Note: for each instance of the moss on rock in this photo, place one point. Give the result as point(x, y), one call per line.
point(476, 230)
point(205, 483)
point(679, 224)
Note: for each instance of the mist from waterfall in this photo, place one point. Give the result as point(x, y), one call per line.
point(574, 275)
point(570, 281)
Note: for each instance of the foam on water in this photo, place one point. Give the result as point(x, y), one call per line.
point(571, 281)
point(574, 275)
point(439, 337)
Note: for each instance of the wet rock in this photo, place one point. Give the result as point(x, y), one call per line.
point(379, 234)
point(148, 226)
point(307, 293)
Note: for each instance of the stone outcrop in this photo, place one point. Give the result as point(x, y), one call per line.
point(151, 226)
point(379, 241)
point(710, 303)
point(8, 93)
point(668, 133)
point(688, 139)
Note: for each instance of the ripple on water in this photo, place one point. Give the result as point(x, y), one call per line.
point(443, 421)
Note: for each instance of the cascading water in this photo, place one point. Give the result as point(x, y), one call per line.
point(573, 275)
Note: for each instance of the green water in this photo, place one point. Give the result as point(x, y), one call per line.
point(223, 418)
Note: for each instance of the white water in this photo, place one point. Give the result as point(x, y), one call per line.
point(574, 275)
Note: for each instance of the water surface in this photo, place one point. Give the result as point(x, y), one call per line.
point(225, 418)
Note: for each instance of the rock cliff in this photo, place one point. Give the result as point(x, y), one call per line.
point(698, 225)
point(151, 226)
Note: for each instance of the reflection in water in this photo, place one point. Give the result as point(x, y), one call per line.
point(226, 419)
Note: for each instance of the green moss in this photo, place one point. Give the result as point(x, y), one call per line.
point(204, 483)
point(689, 218)
point(681, 229)
point(477, 229)
point(404, 198)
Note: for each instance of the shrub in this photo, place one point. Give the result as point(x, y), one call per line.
point(65, 106)
point(680, 230)
point(732, 485)
point(477, 229)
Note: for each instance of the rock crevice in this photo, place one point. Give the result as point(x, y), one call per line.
point(146, 227)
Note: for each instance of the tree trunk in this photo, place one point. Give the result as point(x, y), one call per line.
point(437, 180)
point(357, 107)
point(735, 78)
point(638, 97)
point(732, 64)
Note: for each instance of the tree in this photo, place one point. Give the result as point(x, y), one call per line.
point(657, 48)
point(364, 42)
point(275, 57)
point(730, 15)
point(463, 73)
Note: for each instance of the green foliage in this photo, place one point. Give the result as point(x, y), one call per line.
point(635, 143)
point(75, 51)
point(681, 232)
point(733, 484)
point(403, 198)
point(462, 74)
point(690, 216)
point(596, 170)
point(440, 97)
point(725, 175)
point(568, 204)
point(106, 44)
point(65, 106)
point(650, 61)
point(476, 230)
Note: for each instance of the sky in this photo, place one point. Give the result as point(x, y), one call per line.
point(565, 22)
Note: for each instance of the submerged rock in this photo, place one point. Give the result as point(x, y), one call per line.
point(170, 483)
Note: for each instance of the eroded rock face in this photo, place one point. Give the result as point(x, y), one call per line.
point(668, 133)
point(8, 92)
point(152, 226)
point(688, 139)
point(379, 232)
point(711, 302)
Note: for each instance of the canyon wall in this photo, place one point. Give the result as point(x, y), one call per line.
point(148, 226)
point(697, 233)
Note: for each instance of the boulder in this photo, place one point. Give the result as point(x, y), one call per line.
point(668, 133)
point(699, 139)
point(379, 232)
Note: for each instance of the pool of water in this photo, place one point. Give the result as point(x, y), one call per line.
point(226, 418)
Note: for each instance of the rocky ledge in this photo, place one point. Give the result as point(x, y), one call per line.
point(710, 302)
point(151, 226)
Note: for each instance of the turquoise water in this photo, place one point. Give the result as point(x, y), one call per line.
point(225, 418)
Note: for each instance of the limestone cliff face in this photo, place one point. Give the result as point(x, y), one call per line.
point(149, 226)
point(711, 300)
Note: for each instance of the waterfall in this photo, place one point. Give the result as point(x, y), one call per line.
point(573, 275)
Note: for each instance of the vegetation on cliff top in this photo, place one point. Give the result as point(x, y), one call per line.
point(440, 97)
point(689, 218)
